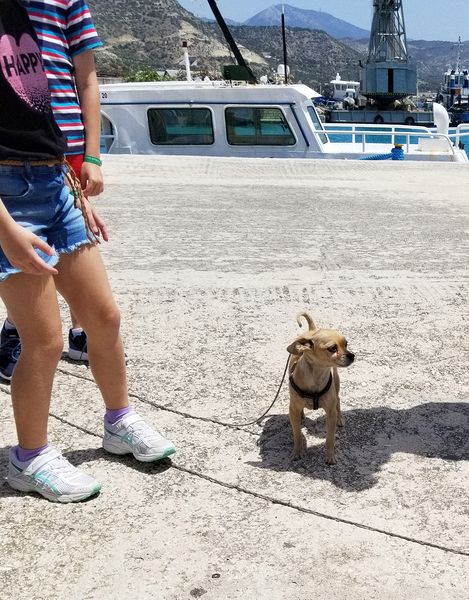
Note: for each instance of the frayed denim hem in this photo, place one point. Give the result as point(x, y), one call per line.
point(70, 249)
point(53, 260)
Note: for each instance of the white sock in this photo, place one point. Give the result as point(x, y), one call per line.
point(8, 325)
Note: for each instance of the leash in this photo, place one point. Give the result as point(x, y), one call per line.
point(257, 421)
point(80, 200)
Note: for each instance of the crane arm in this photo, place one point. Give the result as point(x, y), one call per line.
point(229, 39)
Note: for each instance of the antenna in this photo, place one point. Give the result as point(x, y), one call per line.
point(284, 43)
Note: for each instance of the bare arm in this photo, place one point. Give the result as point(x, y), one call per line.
point(86, 83)
point(91, 176)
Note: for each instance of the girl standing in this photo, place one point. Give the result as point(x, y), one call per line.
point(48, 246)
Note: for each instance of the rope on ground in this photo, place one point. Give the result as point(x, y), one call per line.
point(397, 153)
point(196, 417)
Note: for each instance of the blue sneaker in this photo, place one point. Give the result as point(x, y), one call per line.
point(77, 346)
point(10, 350)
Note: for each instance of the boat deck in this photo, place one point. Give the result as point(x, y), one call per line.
point(211, 260)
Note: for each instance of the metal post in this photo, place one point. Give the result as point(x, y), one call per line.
point(284, 42)
point(187, 61)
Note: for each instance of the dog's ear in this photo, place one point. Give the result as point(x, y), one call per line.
point(300, 345)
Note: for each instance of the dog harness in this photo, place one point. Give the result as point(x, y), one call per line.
point(314, 396)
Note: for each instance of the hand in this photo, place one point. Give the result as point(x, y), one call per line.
point(19, 243)
point(91, 179)
point(95, 222)
point(100, 225)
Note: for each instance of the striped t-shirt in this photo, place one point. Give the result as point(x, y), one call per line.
point(64, 29)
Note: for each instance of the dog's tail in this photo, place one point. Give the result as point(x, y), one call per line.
point(309, 320)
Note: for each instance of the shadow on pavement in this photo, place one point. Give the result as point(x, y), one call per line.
point(85, 455)
point(369, 438)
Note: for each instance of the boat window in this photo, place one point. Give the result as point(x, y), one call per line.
point(107, 134)
point(180, 126)
point(256, 126)
point(317, 124)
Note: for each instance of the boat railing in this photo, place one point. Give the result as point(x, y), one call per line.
point(398, 133)
point(461, 130)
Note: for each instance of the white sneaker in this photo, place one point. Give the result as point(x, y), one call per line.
point(132, 435)
point(52, 476)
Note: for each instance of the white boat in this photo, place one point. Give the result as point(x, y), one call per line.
point(346, 93)
point(219, 119)
point(454, 91)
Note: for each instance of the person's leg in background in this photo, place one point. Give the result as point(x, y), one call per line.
point(77, 341)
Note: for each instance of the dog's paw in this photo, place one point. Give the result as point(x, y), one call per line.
point(297, 455)
point(330, 459)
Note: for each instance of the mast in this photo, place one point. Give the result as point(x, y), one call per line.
point(458, 63)
point(229, 39)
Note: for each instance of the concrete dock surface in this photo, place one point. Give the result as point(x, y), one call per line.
point(210, 261)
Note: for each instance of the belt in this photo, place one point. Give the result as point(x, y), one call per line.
point(34, 163)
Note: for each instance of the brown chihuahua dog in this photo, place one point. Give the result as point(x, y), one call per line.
point(314, 381)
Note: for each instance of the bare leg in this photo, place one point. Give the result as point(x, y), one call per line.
point(32, 303)
point(73, 319)
point(75, 322)
point(83, 282)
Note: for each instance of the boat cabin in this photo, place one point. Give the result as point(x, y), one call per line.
point(211, 119)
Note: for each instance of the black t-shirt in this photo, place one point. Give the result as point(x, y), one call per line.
point(27, 126)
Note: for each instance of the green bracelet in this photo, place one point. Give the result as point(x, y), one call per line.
point(93, 159)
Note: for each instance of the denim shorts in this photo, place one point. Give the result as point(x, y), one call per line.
point(38, 200)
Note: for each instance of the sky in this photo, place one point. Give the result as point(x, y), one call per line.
point(425, 19)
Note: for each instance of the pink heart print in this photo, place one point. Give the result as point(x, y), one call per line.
point(22, 67)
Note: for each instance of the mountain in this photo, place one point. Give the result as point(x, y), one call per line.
point(308, 19)
point(149, 33)
point(139, 33)
point(314, 56)
point(229, 22)
point(433, 59)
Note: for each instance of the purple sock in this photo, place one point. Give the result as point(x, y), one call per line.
point(113, 415)
point(27, 455)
